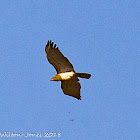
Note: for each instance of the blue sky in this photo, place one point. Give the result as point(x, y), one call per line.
point(98, 37)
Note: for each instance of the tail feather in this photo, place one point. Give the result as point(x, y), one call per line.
point(83, 75)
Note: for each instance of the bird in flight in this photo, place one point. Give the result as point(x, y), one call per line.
point(65, 71)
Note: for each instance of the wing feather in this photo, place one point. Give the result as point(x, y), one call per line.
point(57, 59)
point(71, 87)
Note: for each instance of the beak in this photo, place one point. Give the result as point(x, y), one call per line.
point(51, 79)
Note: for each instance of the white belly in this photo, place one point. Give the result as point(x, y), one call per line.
point(66, 75)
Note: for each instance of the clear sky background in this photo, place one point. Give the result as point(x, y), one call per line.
point(101, 37)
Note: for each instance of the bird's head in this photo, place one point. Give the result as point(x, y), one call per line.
point(56, 78)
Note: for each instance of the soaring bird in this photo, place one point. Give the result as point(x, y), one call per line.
point(65, 71)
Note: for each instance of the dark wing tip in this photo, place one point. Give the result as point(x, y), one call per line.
point(54, 45)
point(79, 98)
point(50, 45)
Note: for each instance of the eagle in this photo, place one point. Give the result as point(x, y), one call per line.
point(65, 71)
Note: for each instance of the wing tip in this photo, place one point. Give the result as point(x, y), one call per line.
point(75, 97)
point(50, 45)
point(79, 98)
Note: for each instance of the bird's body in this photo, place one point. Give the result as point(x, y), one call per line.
point(65, 71)
point(63, 76)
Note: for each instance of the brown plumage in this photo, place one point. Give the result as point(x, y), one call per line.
point(65, 71)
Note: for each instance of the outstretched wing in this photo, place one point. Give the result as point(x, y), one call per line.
point(57, 59)
point(71, 87)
